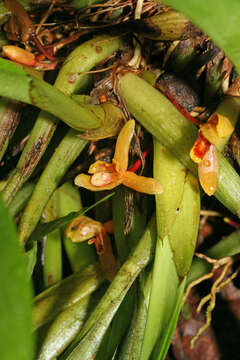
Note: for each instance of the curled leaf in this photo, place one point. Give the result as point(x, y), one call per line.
point(111, 124)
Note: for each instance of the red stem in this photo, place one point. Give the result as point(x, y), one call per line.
point(232, 223)
point(138, 163)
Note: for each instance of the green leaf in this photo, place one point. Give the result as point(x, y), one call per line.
point(15, 302)
point(31, 255)
point(162, 347)
point(164, 293)
point(44, 229)
point(219, 19)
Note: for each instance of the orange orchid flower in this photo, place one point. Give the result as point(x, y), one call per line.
point(107, 176)
point(83, 228)
point(204, 151)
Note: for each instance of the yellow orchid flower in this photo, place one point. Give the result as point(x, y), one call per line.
point(107, 176)
point(216, 128)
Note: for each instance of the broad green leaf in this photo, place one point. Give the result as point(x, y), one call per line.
point(163, 297)
point(172, 176)
point(178, 207)
point(16, 295)
point(162, 347)
point(218, 19)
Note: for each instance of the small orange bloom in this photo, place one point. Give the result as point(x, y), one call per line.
point(204, 151)
point(107, 176)
point(83, 228)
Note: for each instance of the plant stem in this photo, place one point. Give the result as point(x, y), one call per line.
point(51, 302)
point(52, 245)
point(65, 154)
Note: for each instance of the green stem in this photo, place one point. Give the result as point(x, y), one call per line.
point(52, 249)
point(57, 335)
point(64, 294)
point(21, 199)
point(159, 116)
point(62, 331)
point(65, 154)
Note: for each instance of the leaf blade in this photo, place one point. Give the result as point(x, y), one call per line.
point(16, 299)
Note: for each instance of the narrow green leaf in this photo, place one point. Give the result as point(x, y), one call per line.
point(31, 255)
point(16, 296)
point(44, 229)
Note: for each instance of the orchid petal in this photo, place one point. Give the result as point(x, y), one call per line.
point(216, 128)
point(208, 171)
point(224, 126)
point(122, 145)
point(199, 148)
point(101, 166)
point(82, 228)
point(83, 180)
point(104, 178)
point(141, 183)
